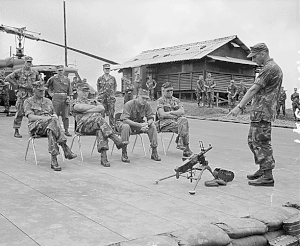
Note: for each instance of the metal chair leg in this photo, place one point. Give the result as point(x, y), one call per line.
point(94, 146)
point(79, 146)
point(142, 140)
point(28, 143)
point(33, 147)
point(62, 154)
point(162, 142)
point(134, 143)
point(73, 141)
point(112, 149)
point(170, 141)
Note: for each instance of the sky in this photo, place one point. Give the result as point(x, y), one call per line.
point(119, 30)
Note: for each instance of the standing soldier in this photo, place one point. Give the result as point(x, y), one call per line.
point(22, 79)
point(106, 87)
point(59, 88)
point(242, 90)
point(209, 88)
point(151, 84)
point(74, 84)
point(200, 91)
point(128, 88)
point(295, 101)
point(281, 102)
point(232, 92)
point(138, 84)
point(4, 93)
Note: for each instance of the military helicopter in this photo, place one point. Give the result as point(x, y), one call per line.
point(17, 61)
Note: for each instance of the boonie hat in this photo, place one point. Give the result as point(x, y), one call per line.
point(257, 48)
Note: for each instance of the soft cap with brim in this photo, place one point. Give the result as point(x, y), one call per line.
point(39, 85)
point(257, 48)
point(144, 93)
point(83, 86)
point(60, 67)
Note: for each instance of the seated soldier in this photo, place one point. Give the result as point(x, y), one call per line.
point(89, 120)
point(44, 122)
point(170, 118)
point(132, 120)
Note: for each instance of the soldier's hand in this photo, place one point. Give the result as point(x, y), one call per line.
point(234, 112)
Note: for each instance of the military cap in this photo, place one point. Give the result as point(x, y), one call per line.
point(106, 65)
point(39, 85)
point(144, 93)
point(83, 86)
point(28, 58)
point(257, 48)
point(60, 67)
point(167, 85)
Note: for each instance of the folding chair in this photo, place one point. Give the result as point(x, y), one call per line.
point(31, 140)
point(79, 135)
point(161, 134)
point(117, 118)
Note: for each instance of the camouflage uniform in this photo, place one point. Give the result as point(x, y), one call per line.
point(209, 90)
point(295, 102)
point(262, 113)
point(24, 78)
point(242, 90)
point(50, 127)
point(4, 93)
point(281, 103)
point(200, 92)
point(92, 123)
point(231, 96)
point(135, 112)
point(151, 84)
point(61, 89)
point(180, 125)
point(128, 89)
point(106, 96)
point(138, 83)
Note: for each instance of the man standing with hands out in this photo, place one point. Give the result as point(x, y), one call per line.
point(264, 92)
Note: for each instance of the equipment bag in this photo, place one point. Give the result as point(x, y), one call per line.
point(223, 174)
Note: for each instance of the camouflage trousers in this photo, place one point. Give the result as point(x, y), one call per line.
point(210, 98)
point(128, 96)
point(281, 106)
point(19, 113)
point(50, 128)
point(200, 97)
point(61, 108)
point(259, 141)
point(231, 102)
point(108, 103)
point(151, 94)
point(126, 130)
point(5, 98)
point(95, 124)
point(179, 126)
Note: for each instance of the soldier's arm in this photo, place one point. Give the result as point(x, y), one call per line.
point(11, 78)
point(86, 108)
point(115, 85)
point(98, 85)
point(29, 113)
point(164, 115)
point(155, 84)
point(49, 86)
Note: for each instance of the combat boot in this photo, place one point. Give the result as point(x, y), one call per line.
point(124, 154)
point(265, 180)
point(68, 153)
point(117, 140)
point(154, 154)
point(17, 134)
point(187, 151)
point(104, 161)
point(54, 163)
point(180, 144)
point(67, 133)
point(256, 175)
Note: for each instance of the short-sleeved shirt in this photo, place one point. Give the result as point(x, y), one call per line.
point(200, 85)
point(136, 112)
point(232, 89)
point(59, 84)
point(128, 86)
point(3, 85)
point(264, 103)
point(295, 96)
point(106, 87)
point(24, 78)
point(210, 84)
point(43, 108)
point(151, 83)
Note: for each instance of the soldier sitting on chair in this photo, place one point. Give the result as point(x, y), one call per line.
point(170, 112)
point(44, 122)
point(89, 121)
point(132, 120)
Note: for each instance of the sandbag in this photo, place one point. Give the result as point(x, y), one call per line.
point(242, 227)
point(151, 240)
point(250, 241)
point(206, 235)
point(285, 240)
point(273, 234)
point(273, 217)
point(292, 226)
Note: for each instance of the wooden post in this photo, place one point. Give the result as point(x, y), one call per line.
point(217, 99)
point(65, 33)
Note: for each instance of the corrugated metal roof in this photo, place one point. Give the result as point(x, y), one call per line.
point(233, 60)
point(179, 53)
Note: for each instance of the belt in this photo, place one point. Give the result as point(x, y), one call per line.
point(60, 93)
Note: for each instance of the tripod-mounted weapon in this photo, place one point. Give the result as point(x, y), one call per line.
point(188, 167)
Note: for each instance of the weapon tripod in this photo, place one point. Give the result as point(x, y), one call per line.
point(188, 167)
